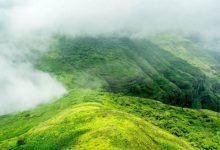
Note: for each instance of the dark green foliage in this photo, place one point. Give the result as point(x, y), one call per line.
point(20, 142)
point(194, 125)
point(134, 67)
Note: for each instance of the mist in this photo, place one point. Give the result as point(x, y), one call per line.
point(21, 85)
point(98, 16)
point(27, 24)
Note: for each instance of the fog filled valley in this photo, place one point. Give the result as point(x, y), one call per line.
point(93, 74)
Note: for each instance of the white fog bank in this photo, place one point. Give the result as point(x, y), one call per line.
point(21, 85)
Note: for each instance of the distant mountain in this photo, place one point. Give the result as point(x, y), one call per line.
point(168, 68)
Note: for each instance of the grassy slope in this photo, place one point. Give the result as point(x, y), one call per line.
point(94, 123)
point(89, 119)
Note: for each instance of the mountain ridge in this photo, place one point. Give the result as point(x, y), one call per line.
point(43, 124)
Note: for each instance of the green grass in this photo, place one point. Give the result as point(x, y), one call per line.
point(88, 125)
point(89, 119)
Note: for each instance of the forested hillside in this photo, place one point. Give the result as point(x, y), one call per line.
point(138, 67)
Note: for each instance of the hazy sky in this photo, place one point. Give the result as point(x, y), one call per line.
point(106, 16)
point(22, 86)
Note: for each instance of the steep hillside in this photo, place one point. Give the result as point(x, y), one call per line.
point(189, 51)
point(89, 119)
point(132, 66)
point(192, 51)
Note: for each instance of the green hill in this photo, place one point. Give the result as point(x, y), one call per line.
point(118, 88)
point(88, 119)
point(135, 67)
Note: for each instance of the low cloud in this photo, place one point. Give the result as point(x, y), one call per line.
point(107, 16)
point(21, 86)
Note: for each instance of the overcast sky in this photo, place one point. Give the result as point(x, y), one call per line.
point(107, 16)
point(23, 87)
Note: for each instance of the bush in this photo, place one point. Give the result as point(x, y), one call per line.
point(20, 142)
